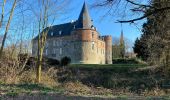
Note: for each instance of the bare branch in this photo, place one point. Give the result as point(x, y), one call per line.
point(141, 5)
point(146, 15)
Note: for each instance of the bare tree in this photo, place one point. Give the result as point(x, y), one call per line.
point(137, 7)
point(2, 14)
point(46, 11)
point(7, 26)
point(43, 22)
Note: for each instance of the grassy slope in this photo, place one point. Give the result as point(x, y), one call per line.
point(113, 76)
point(111, 68)
point(107, 65)
point(119, 76)
point(15, 89)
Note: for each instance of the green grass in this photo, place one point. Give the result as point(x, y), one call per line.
point(12, 94)
point(106, 66)
point(123, 97)
point(14, 89)
point(110, 68)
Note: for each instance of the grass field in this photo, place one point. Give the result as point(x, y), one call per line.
point(15, 89)
point(120, 81)
point(106, 66)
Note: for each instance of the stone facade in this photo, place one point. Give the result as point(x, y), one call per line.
point(78, 40)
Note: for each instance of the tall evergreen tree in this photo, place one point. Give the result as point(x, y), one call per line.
point(154, 42)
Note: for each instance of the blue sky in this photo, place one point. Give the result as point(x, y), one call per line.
point(106, 25)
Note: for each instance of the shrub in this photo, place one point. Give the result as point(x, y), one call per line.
point(51, 61)
point(47, 79)
point(65, 61)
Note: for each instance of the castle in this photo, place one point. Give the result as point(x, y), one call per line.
point(78, 40)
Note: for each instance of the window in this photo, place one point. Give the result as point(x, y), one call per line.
point(53, 42)
point(60, 51)
point(60, 42)
point(92, 45)
point(46, 45)
point(46, 52)
point(56, 43)
point(92, 35)
point(74, 26)
point(54, 51)
point(92, 27)
point(52, 33)
point(60, 32)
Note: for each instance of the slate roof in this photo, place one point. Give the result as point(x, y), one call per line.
point(83, 22)
point(64, 28)
point(55, 30)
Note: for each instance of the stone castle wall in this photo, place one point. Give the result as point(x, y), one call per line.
point(83, 46)
point(92, 48)
point(108, 48)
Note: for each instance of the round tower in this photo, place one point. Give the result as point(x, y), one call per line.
point(86, 40)
point(108, 49)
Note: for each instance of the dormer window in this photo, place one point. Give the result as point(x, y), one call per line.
point(92, 27)
point(60, 32)
point(52, 33)
point(72, 21)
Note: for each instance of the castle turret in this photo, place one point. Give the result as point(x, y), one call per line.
point(84, 29)
point(86, 37)
point(108, 49)
point(84, 20)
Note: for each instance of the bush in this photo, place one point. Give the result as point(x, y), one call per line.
point(51, 61)
point(65, 61)
point(126, 61)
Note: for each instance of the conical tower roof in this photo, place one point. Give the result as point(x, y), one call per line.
point(84, 20)
point(121, 38)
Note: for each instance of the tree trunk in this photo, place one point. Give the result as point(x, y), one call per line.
point(7, 28)
point(2, 15)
